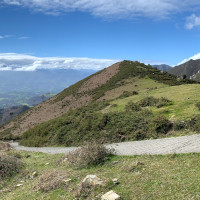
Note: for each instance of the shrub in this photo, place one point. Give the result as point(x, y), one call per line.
point(148, 101)
point(161, 124)
point(51, 181)
point(198, 105)
point(91, 154)
point(194, 123)
point(163, 102)
point(125, 94)
point(135, 93)
point(179, 125)
point(152, 101)
point(9, 165)
point(131, 106)
point(4, 146)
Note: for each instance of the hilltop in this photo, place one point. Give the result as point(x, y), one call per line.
point(81, 108)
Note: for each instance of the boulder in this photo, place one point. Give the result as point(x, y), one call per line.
point(91, 181)
point(110, 196)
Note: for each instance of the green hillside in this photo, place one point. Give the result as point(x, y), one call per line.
point(140, 102)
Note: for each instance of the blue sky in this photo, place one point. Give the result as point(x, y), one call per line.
point(156, 31)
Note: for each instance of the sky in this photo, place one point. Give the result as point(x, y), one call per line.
point(93, 34)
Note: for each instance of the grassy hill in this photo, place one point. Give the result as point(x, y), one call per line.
point(127, 101)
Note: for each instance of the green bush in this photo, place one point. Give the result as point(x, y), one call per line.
point(135, 93)
point(179, 125)
point(194, 123)
point(152, 101)
point(161, 124)
point(125, 94)
point(133, 107)
point(198, 105)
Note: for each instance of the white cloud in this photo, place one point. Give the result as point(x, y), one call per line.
point(195, 57)
point(110, 8)
point(23, 62)
point(5, 36)
point(192, 21)
point(23, 38)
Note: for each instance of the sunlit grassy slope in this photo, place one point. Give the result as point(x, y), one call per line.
point(183, 97)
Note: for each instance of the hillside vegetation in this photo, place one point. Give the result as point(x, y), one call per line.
point(137, 103)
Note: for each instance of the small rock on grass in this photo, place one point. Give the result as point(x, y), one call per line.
point(92, 180)
point(110, 196)
point(19, 185)
point(115, 181)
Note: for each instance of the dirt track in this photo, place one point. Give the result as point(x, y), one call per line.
point(184, 144)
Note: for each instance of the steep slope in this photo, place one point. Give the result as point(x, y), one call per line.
point(75, 96)
point(92, 89)
point(162, 67)
point(191, 69)
point(10, 113)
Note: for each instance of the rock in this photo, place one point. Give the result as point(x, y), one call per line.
point(34, 174)
point(19, 185)
point(91, 180)
point(115, 181)
point(65, 160)
point(67, 180)
point(110, 196)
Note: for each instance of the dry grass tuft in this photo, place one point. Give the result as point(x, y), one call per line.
point(91, 154)
point(9, 165)
point(4, 146)
point(51, 181)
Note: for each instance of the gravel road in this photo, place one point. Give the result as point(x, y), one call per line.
point(184, 144)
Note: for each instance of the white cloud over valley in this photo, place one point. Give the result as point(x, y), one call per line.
point(24, 62)
point(110, 8)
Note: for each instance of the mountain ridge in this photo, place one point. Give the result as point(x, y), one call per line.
point(91, 89)
point(190, 69)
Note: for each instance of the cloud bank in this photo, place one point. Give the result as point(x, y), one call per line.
point(23, 62)
point(110, 8)
point(195, 57)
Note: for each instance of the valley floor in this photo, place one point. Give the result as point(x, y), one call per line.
point(183, 144)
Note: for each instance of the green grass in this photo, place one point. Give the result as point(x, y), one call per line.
point(159, 177)
point(184, 98)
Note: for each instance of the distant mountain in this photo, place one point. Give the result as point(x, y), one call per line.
point(18, 87)
point(162, 67)
point(190, 69)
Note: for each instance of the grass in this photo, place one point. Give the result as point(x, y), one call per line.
point(184, 98)
point(140, 178)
